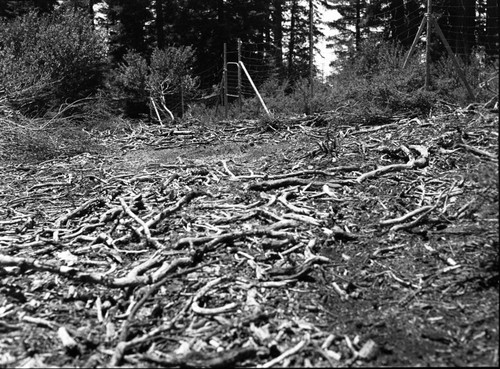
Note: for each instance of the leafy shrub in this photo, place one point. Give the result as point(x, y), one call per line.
point(374, 57)
point(375, 81)
point(324, 97)
point(203, 114)
point(480, 76)
point(171, 66)
point(378, 67)
point(49, 59)
point(128, 84)
point(276, 96)
point(168, 75)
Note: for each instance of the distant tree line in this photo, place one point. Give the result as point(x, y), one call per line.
point(466, 24)
point(65, 50)
point(274, 27)
point(279, 27)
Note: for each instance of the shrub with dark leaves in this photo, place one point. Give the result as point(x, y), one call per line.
point(49, 59)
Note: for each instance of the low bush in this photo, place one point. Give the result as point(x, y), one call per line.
point(481, 76)
point(374, 80)
point(127, 85)
point(135, 82)
point(170, 78)
point(49, 59)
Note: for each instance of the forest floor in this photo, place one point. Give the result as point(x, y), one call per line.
point(304, 242)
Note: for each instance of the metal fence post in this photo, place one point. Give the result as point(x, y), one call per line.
point(240, 98)
point(225, 80)
point(428, 46)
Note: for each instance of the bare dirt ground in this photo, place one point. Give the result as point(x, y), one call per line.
point(303, 242)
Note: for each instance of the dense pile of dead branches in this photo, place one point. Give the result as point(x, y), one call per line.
point(243, 245)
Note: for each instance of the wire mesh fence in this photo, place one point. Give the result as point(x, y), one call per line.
point(468, 27)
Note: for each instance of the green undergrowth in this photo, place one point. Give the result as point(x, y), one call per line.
point(370, 87)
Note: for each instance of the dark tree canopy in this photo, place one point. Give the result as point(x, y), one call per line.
point(468, 25)
point(276, 30)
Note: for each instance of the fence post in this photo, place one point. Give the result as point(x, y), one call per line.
point(432, 22)
point(240, 100)
point(225, 80)
point(428, 46)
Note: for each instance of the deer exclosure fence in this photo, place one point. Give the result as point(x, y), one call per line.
point(459, 37)
point(239, 78)
point(431, 23)
point(239, 92)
